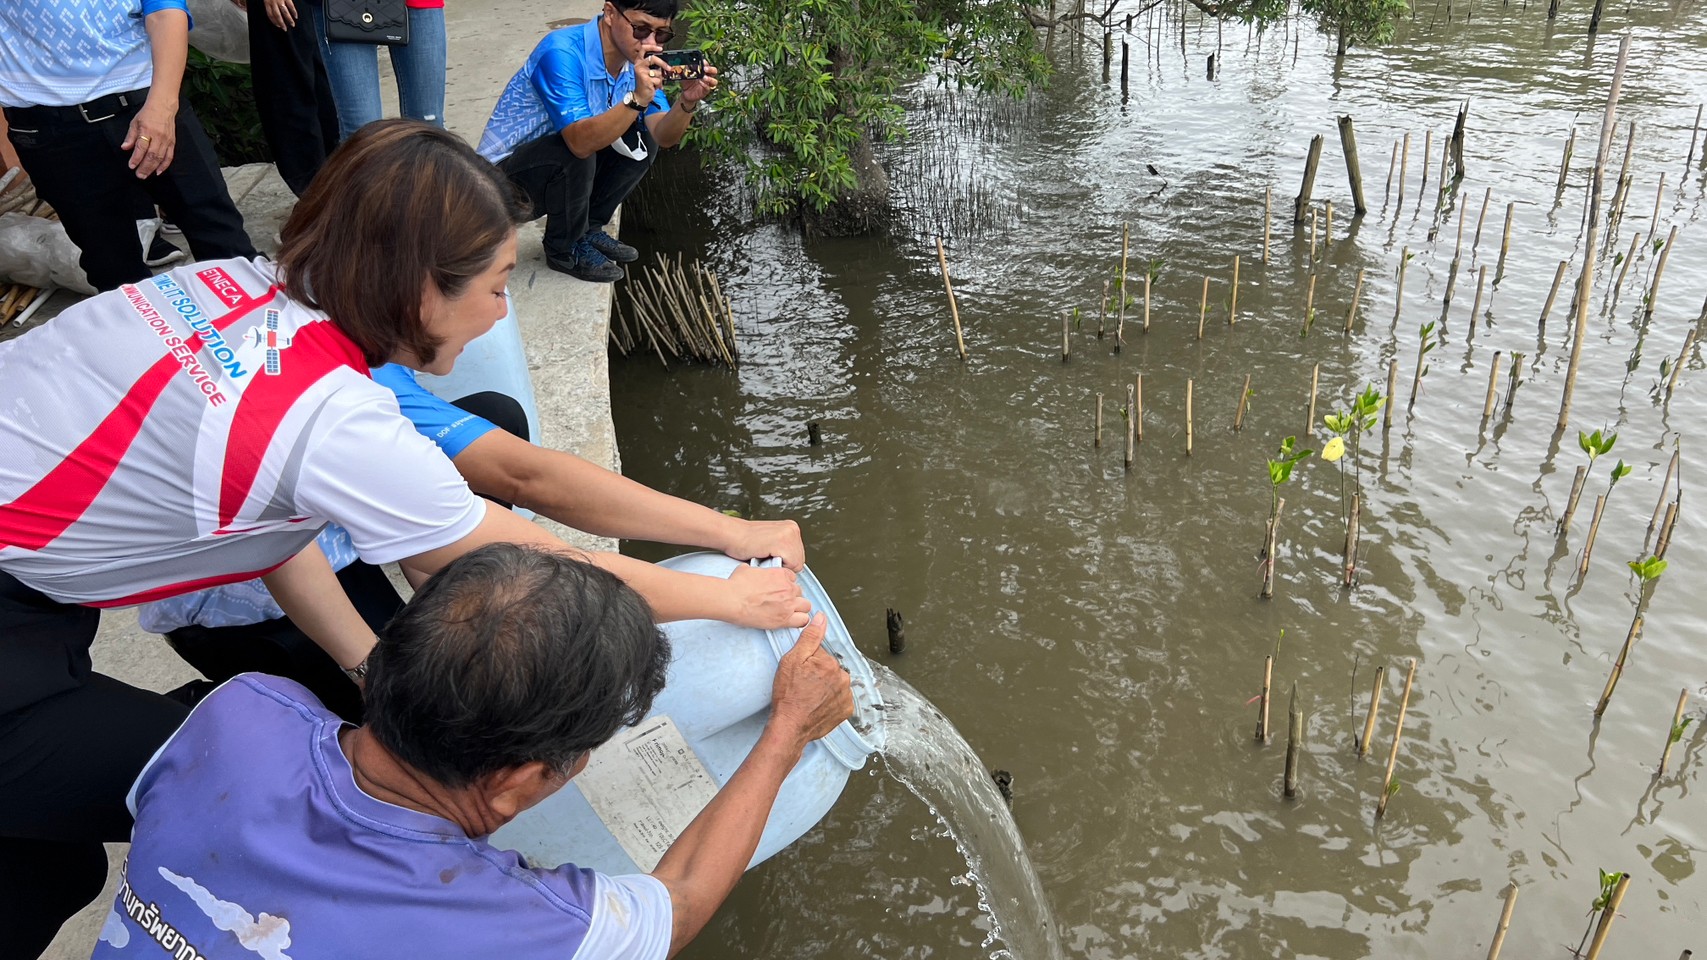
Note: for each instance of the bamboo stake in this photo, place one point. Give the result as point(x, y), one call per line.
point(1353, 169)
point(1356, 293)
point(1659, 271)
point(1399, 294)
point(1203, 307)
point(1310, 305)
point(1505, 922)
point(1351, 532)
point(1512, 381)
point(1505, 243)
point(1593, 531)
point(1244, 395)
point(1565, 161)
point(1146, 301)
point(1676, 718)
point(1066, 336)
point(1428, 151)
point(1262, 710)
point(1585, 287)
point(1615, 209)
point(953, 308)
point(1682, 358)
point(1660, 507)
point(1120, 310)
point(1294, 743)
point(1102, 313)
point(1629, 258)
point(1188, 388)
point(1392, 385)
point(1618, 665)
point(1138, 407)
point(1553, 292)
point(1301, 202)
point(1392, 164)
point(1267, 216)
point(1692, 135)
point(1571, 504)
point(1310, 413)
point(1476, 305)
point(1404, 160)
point(1272, 548)
point(1487, 195)
point(1098, 441)
point(1611, 912)
point(1327, 224)
point(1398, 730)
point(1315, 220)
point(1666, 528)
point(1374, 711)
point(1493, 386)
point(1131, 420)
point(1659, 194)
point(1233, 304)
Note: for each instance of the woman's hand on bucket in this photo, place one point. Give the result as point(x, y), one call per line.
point(767, 598)
point(763, 539)
point(812, 692)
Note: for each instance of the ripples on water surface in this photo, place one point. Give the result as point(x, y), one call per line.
point(1098, 634)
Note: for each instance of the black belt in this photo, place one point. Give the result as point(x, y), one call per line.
point(96, 110)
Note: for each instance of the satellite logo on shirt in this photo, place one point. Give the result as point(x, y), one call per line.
point(267, 336)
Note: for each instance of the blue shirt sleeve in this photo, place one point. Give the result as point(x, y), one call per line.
point(440, 421)
point(559, 78)
point(155, 6)
point(660, 103)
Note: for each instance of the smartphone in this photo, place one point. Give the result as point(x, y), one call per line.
point(682, 65)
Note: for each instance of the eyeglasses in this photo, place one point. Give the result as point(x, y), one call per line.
point(643, 30)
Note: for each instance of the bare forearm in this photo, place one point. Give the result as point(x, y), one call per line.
point(707, 860)
point(308, 591)
point(669, 127)
point(671, 594)
point(589, 136)
point(169, 47)
point(588, 497)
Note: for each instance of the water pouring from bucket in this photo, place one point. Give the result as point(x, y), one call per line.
point(643, 788)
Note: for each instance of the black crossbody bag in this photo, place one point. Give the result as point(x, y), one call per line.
point(367, 21)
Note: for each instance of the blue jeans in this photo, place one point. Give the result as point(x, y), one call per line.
point(353, 69)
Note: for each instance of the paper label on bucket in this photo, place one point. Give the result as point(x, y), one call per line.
point(647, 785)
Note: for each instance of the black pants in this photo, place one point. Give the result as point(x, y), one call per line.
point(67, 759)
point(78, 168)
point(292, 95)
point(575, 194)
point(278, 647)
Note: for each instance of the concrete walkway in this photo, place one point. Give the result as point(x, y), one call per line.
point(563, 320)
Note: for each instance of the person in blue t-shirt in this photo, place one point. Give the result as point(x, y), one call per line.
point(579, 123)
point(238, 628)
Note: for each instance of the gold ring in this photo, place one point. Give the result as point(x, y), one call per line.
point(144, 139)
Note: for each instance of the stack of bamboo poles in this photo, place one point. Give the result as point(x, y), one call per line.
point(17, 300)
point(678, 308)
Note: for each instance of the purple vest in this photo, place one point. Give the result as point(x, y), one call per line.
point(252, 840)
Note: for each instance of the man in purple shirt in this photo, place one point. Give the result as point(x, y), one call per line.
point(268, 827)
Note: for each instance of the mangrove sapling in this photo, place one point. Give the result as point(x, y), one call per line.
point(1354, 424)
point(1660, 505)
point(1600, 912)
point(1663, 248)
point(1679, 723)
point(1648, 571)
point(1405, 256)
point(1427, 340)
point(1279, 472)
point(1389, 786)
point(1594, 444)
point(1619, 472)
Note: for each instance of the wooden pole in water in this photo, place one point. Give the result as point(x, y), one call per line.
point(1673, 731)
point(1553, 292)
point(1505, 243)
point(1660, 507)
point(1262, 709)
point(1244, 395)
point(1398, 731)
point(1611, 912)
point(1102, 312)
point(1356, 293)
point(1131, 424)
point(1098, 441)
point(1487, 195)
point(1310, 410)
point(1666, 528)
point(897, 626)
point(1629, 258)
point(1493, 386)
point(1585, 286)
point(1353, 170)
point(1267, 217)
point(1138, 407)
point(1593, 531)
point(1392, 385)
point(1615, 209)
point(1107, 52)
point(1618, 665)
point(1505, 922)
point(1565, 161)
point(1659, 194)
point(1476, 305)
point(1315, 221)
point(1392, 165)
point(1404, 160)
point(953, 308)
point(1125, 57)
point(1302, 202)
point(1327, 222)
point(1692, 135)
point(1188, 389)
point(1428, 150)
point(1233, 303)
point(1273, 546)
point(1146, 301)
point(1374, 711)
point(1659, 271)
point(1294, 743)
point(1203, 307)
point(1399, 292)
point(1571, 504)
point(1682, 358)
point(1310, 305)
point(1351, 532)
point(1120, 307)
point(1512, 380)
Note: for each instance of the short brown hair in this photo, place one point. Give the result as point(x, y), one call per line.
point(398, 202)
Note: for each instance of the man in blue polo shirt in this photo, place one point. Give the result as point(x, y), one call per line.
point(90, 90)
point(578, 125)
point(268, 828)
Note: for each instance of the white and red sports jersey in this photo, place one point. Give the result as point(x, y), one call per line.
point(199, 428)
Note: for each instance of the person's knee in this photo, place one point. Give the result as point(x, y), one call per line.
point(502, 410)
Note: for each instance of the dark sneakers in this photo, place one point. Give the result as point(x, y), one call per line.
point(585, 262)
point(611, 246)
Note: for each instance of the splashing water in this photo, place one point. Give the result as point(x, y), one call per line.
point(924, 751)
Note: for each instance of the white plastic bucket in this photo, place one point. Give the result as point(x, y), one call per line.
point(718, 698)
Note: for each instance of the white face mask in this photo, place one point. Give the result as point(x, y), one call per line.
point(636, 152)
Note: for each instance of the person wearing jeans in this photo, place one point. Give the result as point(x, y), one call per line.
point(293, 95)
point(419, 65)
point(90, 92)
point(578, 125)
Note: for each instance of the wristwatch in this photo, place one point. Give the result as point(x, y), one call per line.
point(631, 103)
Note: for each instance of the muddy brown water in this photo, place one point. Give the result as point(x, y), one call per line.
point(1098, 633)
